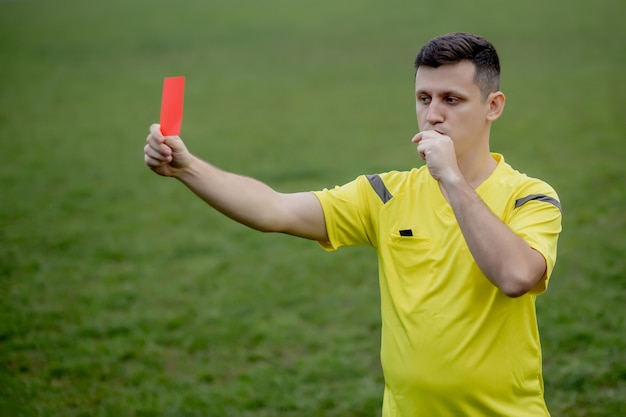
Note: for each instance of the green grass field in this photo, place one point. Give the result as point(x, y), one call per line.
point(124, 295)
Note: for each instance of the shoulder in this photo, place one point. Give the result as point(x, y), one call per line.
point(399, 180)
point(374, 189)
point(523, 187)
point(391, 183)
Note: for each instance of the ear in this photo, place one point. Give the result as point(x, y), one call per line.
point(495, 101)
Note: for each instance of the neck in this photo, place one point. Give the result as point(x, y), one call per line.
point(476, 166)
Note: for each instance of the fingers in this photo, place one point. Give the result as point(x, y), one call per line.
point(157, 156)
point(156, 151)
point(421, 150)
point(421, 143)
point(427, 134)
point(425, 141)
point(155, 131)
point(166, 155)
point(170, 144)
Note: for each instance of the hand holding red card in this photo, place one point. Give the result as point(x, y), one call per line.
point(172, 105)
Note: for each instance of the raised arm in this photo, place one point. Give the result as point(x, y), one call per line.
point(243, 199)
point(505, 258)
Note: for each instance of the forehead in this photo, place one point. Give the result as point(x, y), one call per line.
point(457, 77)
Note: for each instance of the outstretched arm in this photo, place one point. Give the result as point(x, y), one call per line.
point(243, 199)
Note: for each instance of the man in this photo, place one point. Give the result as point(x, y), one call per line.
point(465, 243)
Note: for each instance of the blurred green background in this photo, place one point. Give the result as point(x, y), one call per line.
point(124, 295)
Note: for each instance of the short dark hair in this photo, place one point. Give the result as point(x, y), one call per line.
point(453, 48)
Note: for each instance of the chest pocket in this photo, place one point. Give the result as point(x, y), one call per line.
point(405, 238)
point(410, 255)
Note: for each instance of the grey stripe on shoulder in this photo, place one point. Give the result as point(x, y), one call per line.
point(538, 197)
point(379, 187)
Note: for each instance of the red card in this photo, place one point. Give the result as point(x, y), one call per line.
point(172, 105)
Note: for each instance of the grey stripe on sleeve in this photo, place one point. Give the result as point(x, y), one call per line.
point(379, 187)
point(538, 197)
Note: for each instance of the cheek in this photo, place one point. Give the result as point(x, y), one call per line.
point(420, 113)
point(476, 120)
point(468, 126)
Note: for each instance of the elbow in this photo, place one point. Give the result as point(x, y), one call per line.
point(514, 291)
point(519, 275)
point(516, 286)
point(518, 278)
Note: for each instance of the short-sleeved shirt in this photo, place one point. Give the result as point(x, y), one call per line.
point(452, 343)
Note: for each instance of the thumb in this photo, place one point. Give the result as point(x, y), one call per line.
point(175, 143)
point(180, 157)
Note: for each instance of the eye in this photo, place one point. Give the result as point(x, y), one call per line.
point(423, 98)
point(452, 100)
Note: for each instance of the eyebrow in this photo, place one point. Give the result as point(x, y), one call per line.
point(443, 93)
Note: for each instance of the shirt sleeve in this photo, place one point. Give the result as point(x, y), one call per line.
point(348, 214)
point(536, 218)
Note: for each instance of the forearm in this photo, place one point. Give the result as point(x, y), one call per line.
point(505, 259)
point(243, 199)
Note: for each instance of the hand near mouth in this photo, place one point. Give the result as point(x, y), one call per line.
point(437, 149)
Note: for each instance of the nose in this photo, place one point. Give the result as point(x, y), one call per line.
point(434, 113)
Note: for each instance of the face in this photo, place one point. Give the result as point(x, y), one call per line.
point(449, 101)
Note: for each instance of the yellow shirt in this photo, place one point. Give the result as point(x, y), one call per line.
point(452, 343)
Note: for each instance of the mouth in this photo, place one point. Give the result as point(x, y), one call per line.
point(440, 131)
